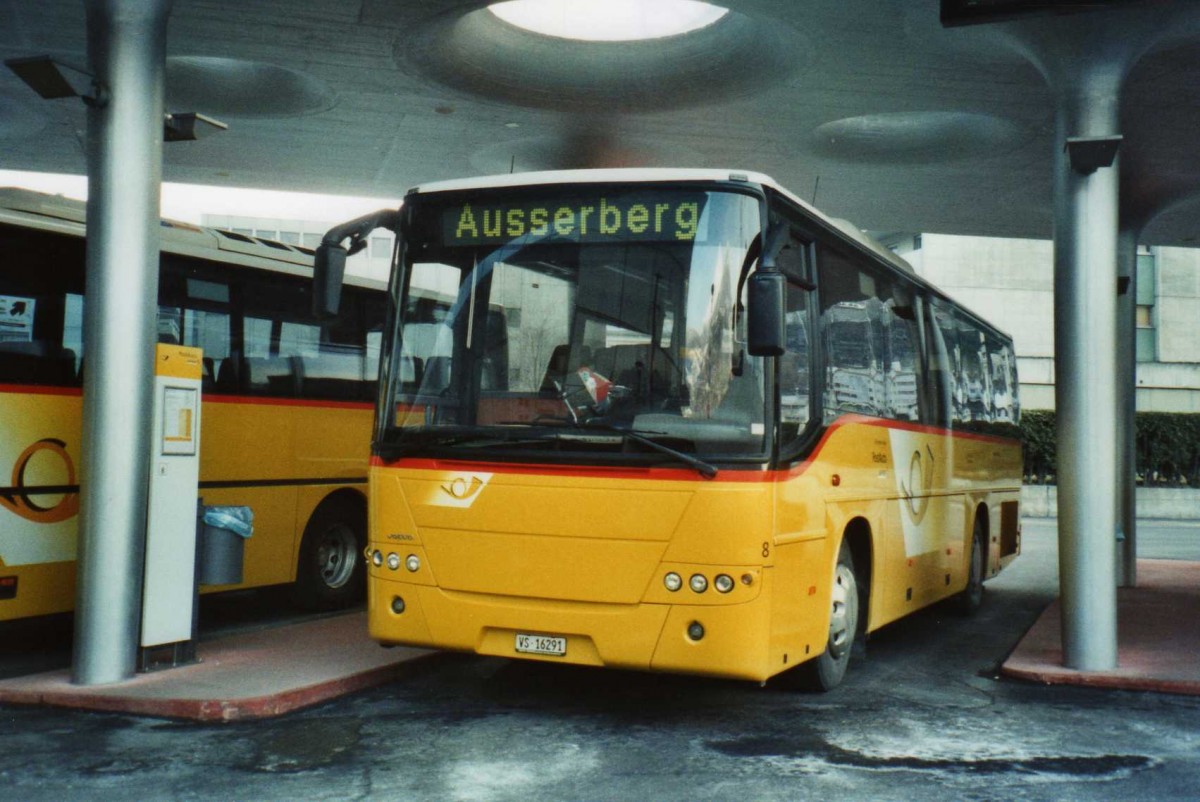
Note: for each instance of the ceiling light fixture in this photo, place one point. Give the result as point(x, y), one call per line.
point(608, 20)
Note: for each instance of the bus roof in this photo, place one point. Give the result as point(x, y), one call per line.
point(55, 213)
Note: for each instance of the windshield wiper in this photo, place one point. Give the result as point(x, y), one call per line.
point(465, 435)
point(706, 469)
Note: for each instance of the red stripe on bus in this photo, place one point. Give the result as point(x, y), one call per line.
point(754, 474)
point(39, 389)
point(923, 428)
point(287, 402)
point(36, 389)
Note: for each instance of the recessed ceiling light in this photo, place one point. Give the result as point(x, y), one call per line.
point(608, 20)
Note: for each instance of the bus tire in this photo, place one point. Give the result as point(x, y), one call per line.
point(331, 572)
point(970, 599)
point(825, 672)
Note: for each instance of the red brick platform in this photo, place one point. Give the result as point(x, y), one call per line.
point(1158, 641)
point(256, 674)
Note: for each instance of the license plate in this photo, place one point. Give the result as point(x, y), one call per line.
point(541, 644)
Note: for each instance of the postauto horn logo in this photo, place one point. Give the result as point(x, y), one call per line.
point(19, 499)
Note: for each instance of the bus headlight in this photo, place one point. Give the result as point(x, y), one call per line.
point(397, 605)
point(673, 581)
point(698, 583)
point(723, 583)
point(413, 563)
point(377, 558)
point(393, 561)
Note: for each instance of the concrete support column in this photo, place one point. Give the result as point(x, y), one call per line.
point(1085, 343)
point(1085, 59)
point(1126, 555)
point(127, 50)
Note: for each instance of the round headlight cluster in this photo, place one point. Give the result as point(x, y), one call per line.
point(698, 582)
point(412, 562)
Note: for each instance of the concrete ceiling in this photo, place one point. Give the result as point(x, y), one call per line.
point(871, 106)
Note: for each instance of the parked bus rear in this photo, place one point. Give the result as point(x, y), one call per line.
point(286, 403)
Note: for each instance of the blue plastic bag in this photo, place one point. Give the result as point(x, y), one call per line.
point(239, 520)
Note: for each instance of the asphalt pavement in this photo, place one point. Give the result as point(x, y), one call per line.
point(922, 715)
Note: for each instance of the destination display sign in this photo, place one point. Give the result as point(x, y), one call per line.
point(605, 217)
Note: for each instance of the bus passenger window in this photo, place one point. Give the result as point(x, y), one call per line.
point(209, 331)
point(256, 337)
point(902, 370)
point(1003, 374)
point(793, 367)
point(946, 367)
point(975, 375)
point(852, 338)
point(170, 329)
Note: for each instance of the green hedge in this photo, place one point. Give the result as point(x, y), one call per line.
point(1168, 448)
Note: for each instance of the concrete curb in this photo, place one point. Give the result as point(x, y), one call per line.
point(253, 675)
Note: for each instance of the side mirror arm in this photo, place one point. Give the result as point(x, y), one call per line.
point(329, 262)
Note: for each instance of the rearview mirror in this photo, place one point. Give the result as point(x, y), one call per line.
point(329, 269)
point(766, 335)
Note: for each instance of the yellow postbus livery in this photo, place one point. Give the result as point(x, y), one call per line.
point(286, 402)
point(675, 420)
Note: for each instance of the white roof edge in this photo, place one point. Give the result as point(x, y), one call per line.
point(629, 175)
point(633, 175)
point(58, 213)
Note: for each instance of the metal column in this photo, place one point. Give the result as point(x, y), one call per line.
point(1126, 409)
point(1085, 342)
point(127, 49)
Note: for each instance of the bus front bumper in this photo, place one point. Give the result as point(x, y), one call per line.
point(725, 640)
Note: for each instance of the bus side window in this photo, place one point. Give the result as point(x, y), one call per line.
point(975, 376)
point(1001, 366)
point(194, 311)
point(40, 312)
point(903, 368)
point(944, 367)
point(852, 338)
point(794, 379)
point(342, 364)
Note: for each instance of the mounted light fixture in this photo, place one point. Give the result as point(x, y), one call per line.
point(1089, 153)
point(188, 126)
point(53, 79)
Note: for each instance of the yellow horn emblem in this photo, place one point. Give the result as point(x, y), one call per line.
point(17, 499)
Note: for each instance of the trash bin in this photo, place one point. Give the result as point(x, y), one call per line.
point(223, 544)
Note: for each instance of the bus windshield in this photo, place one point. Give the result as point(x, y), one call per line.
point(574, 320)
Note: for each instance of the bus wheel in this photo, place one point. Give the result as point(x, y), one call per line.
point(825, 672)
point(331, 572)
point(970, 599)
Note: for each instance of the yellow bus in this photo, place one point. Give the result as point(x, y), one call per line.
point(287, 403)
point(674, 420)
